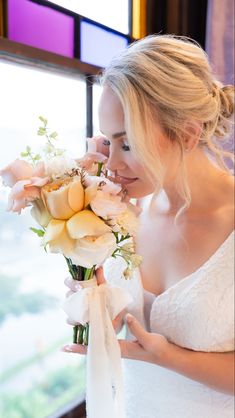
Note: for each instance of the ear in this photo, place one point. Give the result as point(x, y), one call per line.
point(193, 130)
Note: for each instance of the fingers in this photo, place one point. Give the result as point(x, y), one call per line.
point(118, 322)
point(69, 293)
point(72, 284)
point(74, 348)
point(100, 147)
point(136, 329)
point(71, 322)
point(100, 275)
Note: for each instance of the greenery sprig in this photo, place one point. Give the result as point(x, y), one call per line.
point(49, 149)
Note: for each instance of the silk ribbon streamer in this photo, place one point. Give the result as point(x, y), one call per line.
point(99, 305)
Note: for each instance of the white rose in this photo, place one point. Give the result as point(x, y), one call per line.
point(125, 223)
point(90, 251)
point(58, 166)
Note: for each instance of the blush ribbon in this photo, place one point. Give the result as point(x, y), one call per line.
point(99, 305)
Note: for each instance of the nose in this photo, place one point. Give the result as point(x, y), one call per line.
point(115, 163)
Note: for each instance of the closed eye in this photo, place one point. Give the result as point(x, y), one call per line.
point(125, 147)
point(106, 142)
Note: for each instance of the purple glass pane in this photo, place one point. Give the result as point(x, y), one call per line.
point(98, 45)
point(40, 26)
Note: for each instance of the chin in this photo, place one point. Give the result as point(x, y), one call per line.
point(138, 191)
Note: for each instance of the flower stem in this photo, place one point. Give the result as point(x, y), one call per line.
point(75, 334)
point(80, 334)
point(100, 165)
point(86, 336)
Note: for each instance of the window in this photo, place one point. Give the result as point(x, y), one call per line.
point(97, 89)
point(112, 13)
point(36, 379)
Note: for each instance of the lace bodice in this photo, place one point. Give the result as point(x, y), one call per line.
point(197, 313)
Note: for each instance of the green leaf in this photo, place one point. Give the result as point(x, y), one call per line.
point(28, 149)
point(24, 154)
point(44, 120)
point(37, 157)
point(41, 131)
point(39, 232)
point(53, 135)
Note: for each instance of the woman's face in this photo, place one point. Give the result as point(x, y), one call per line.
point(128, 171)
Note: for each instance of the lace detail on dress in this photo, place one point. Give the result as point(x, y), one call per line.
point(196, 313)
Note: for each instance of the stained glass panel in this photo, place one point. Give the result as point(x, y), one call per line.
point(42, 27)
point(98, 45)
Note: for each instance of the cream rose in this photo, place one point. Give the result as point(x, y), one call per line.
point(89, 251)
point(64, 198)
point(40, 213)
point(125, 223)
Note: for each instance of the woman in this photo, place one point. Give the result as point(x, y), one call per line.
point(164, 116)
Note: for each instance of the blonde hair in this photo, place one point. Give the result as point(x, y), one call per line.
point(168, 79)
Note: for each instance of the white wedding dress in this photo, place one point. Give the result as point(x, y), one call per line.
point(197, 313)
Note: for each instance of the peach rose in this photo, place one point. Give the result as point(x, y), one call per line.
point(64, 198)
point(84, 238)
point(86, 223)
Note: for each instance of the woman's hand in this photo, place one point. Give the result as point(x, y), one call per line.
point(147, 347)
point(100, 146)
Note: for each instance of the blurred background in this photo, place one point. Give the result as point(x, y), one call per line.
point(50, 55)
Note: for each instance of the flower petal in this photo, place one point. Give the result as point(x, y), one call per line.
point(90, 193)
point(17, 170)
point(86, 223)
point(76, 196)
point(90, 251)
point(54, 229)
point(63, 244)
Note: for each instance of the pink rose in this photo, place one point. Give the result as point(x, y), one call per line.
point(93, 155)
point(102, 183)
point(20, 170)
point(106, 205)
point(26, 182)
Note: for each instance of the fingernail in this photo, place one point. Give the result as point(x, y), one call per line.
point(129, 318)
point(67, 348)
point(77, 286)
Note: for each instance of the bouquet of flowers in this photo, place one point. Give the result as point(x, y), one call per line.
point(81, 214)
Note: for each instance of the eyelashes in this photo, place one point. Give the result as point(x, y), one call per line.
point(125, 147)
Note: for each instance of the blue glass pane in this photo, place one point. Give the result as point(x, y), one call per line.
point(98, 45)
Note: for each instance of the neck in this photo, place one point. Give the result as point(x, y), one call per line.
point(206, 182)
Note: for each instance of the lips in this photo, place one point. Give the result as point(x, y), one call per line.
point(125, 180)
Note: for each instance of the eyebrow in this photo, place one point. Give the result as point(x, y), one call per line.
point(117, 134)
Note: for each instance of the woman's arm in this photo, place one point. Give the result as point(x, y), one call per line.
point(215, 370)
